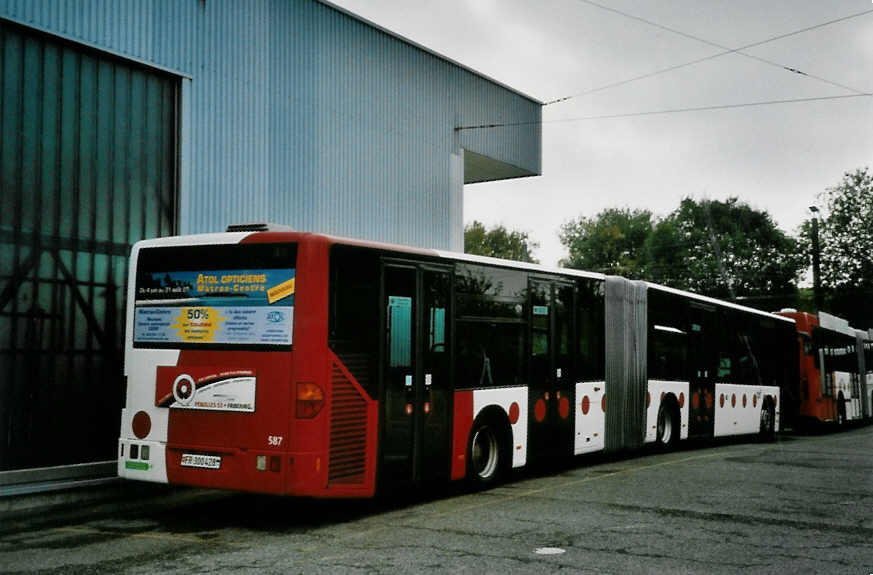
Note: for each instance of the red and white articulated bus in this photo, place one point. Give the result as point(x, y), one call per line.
point(303, 364)
point(835, 369)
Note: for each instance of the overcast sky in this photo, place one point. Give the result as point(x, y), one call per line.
point(775, 157)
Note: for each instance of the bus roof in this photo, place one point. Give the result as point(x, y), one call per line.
point(291, 236)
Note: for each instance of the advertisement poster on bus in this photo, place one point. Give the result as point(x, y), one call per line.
point(225, 307)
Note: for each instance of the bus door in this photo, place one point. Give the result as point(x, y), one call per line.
point(551, 367)
point(703, 367)
point(416, 368)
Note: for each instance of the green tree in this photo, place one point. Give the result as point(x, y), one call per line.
point(723, 249)
point(610, 242)
point(498, 242)
point(846, 232)
point(846, 247)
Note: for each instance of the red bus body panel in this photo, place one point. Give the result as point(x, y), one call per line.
point(332, 454)
point(813, 405)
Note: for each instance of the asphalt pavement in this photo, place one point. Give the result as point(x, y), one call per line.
point(799, 504)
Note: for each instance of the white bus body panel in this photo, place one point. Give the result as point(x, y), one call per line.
point(590, 427)
point(140, 367)
point(732, 417)
point(843, 384)
point(657, 388)
point(869, 393)
point(504, 397)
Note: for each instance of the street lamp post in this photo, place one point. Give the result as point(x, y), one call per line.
point(816, 260)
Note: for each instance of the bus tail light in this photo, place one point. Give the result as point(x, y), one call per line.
point(275, 463)
point(310, 400)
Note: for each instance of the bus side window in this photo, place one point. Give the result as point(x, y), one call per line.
point(489, 354)
point(437, 330)
point(354, 313)
point(399, 331)
point(491, 326)
point(808, 348)
point(591, 345)
point(725, 372)
point(668, 350)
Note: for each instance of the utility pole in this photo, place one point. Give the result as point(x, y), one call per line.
point(716, 248)
point(816, 260)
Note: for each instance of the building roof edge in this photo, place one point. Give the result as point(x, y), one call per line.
point(430, 51)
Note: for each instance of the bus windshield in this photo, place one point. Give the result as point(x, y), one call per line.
point(202, 296)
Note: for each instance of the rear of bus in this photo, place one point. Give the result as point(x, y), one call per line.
point(227, 368)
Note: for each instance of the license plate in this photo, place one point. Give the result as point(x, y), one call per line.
point(202, 461)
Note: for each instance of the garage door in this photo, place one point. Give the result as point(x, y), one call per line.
point(87, 167)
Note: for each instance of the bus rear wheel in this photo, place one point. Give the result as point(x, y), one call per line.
point(768, 420)
point(667, 427)
point(486, 455)
point(841, 410)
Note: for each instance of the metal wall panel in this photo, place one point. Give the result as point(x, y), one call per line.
point(302, 114)
point(292, 111)
point(87, 167)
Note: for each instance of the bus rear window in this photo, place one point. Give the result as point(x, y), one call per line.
point(216, 295)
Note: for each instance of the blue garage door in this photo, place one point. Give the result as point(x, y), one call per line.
point(87, 167)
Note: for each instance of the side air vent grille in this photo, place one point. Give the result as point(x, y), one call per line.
point(348, 430)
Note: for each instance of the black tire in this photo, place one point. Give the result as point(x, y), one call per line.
point(841, 411)
point(768, 420)
point(667, 427)
point(487, 454)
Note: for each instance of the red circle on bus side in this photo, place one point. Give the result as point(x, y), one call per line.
point(733, 400)
point(564, 407)
point(141, 424)
point(754, 401)
point(708, 400)
point(514, 412)
point(681, 400)
point(540, 410)
point(648, 399)
point(721, 400)
point(695, 401)
point(603, 403)
point(586, 405)
point(744, 400)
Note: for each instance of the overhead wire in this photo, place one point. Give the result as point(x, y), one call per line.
point(665, 111)
point(856, 93)
point(725, 51)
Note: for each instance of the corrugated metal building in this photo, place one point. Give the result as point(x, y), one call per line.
point(124, 119)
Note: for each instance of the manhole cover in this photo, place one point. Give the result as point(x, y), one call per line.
point(549, 551)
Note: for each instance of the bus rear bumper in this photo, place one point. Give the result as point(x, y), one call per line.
point(302, 474)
